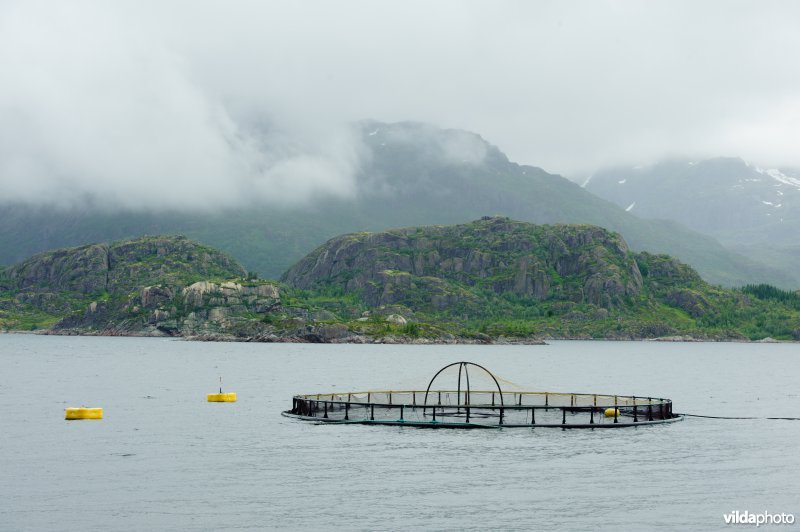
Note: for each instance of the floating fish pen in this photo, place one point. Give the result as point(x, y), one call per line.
point(464, 407)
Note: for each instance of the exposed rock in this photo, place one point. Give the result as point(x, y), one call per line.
point(158, 315)
point(218, 313)
point(322, 315)
point(691, 301)
point(396, 319)
point(230, 293)
point(193, 294)
point(154, 296)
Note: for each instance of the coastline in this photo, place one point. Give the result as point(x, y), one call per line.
point(390, 339)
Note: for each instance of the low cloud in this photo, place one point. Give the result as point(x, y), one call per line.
point(189, 105)
point(94, 112)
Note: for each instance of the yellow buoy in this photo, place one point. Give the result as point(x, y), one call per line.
point(611, 412)
point(222, 397)
point(83, 413)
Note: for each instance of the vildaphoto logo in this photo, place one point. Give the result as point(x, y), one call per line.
point(764, 518)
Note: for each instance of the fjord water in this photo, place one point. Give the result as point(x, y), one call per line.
point(163, 458)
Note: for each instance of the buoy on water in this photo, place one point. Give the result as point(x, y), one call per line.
point(220, 397)
point(611, 412)
point(83, 412)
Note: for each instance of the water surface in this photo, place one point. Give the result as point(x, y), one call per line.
point(163, 458)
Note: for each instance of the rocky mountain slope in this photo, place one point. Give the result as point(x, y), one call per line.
point(482, 281)
point(439, 267)
point(750, 209)
point(502, 277)
point(410, 174)
point(138, 286)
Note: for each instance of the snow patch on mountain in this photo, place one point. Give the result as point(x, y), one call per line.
point(780, 177)
point(630, 207)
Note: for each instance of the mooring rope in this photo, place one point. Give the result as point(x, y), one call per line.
point(733, 417)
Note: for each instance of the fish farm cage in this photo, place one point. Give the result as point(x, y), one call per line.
point(464, 407)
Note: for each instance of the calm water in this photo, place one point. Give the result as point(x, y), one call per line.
point(163, 458)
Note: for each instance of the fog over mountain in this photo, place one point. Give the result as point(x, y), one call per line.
point(197, 106)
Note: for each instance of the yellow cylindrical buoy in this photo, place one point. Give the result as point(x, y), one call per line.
point(222, 397)
point(83, 413)
point(611, 412)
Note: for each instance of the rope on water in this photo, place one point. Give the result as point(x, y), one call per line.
point(733, 417)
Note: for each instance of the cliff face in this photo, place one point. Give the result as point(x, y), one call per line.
point(447, 266)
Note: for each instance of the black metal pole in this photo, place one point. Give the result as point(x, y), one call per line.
point(458, 392)
point(466, 396)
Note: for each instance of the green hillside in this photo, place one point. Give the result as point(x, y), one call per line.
point(501, 277)
point(486, 280)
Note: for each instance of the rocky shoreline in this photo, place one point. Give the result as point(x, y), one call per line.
point(313, 338)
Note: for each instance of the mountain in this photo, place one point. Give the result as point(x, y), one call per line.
point(753, 210)
point(99, 284)
point(482, 281)
point(502, 277)
point(411, 174)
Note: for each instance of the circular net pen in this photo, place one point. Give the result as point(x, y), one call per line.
point(488, 407)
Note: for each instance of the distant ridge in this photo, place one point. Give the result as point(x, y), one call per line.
point(413, 174)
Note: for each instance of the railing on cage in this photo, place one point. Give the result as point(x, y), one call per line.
point(482, 408)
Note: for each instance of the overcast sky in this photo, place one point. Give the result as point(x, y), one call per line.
point(155, 103)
